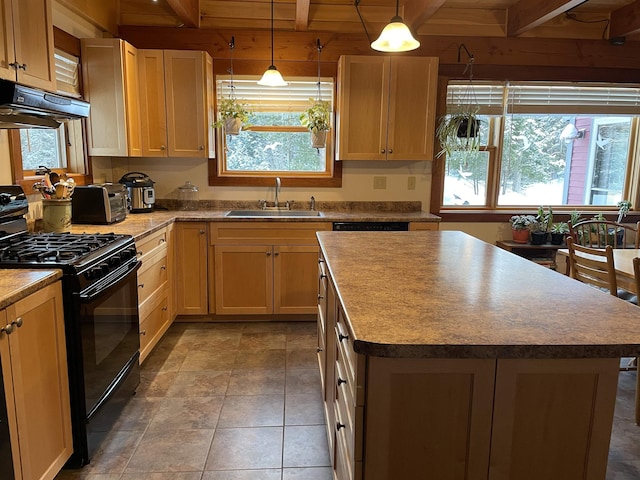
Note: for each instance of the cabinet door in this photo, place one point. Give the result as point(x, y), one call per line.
point(185, 96)
point(103, 71)
point(295, 279)
point(131, 99)
point(191, 268)
point(7, 52)
point(363, 87)
point(33, 32)
point(171, 271)
point(244, 279)
point(412, 103)
point(37, 354)
point(153, 115)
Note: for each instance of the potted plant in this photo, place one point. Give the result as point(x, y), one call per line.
point(559, 230)
point(540, 228)
point(459, 132)
point(623, 208)
point(520, 227)
point(232, 116)
point(317, 118)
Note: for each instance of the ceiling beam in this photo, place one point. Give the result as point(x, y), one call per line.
point(625, 20)
point(528, 14)
point(302, 15)
point(188, 11)
point(416, 12)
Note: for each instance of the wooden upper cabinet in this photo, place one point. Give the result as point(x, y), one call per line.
point(176, 92)
point(386, 107)
point(110, 72)
point(26, 43)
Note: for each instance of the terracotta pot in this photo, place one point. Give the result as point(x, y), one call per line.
point(520, 236)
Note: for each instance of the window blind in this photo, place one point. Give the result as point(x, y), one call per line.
point(67, 74)
point(292, 98)
point(573, 98)
point(488, 96)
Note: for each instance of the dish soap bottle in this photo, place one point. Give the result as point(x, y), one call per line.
point(188, 196)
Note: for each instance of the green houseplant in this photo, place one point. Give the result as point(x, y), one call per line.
point(559, 230)
point(317, 118)
point(232, 115)
point(540, 228)
point(520, 227)
point(459, 132)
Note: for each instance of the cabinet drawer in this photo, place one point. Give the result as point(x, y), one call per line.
point(254, 233)
point(153, 325)
point(151, 243)
point(152, 275)
point(346, 466)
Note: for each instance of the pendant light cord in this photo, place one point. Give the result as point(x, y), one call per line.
point(319, 52)
point(397, 4)
point(232, 87)
point(272, 33)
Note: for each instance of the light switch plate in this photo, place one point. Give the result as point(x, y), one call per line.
point(411, 183)
point(379, 183)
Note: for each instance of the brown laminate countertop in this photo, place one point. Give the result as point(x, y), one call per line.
point(16, 284)
point(446, 294)
point(141, 224)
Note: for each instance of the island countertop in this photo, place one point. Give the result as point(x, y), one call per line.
point(445, 294)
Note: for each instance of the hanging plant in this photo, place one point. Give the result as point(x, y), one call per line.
point(233, 115)
point(317, 118)
point(459, 130)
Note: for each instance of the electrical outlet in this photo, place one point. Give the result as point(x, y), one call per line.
point(379, 183)
point(411, 183)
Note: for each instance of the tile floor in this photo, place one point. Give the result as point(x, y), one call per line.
point(241, 401)
point(233, 401)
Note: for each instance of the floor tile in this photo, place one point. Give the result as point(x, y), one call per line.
point(171, 451)
point(137, 413)
point(154, 384)
point(302, 380)
point(305, 446)
point(304, 409)
point(162, 476)
point(311, 473)
point(256, 381)
point(261, 359)
point(256, 341)
point(252, 411)
point(114, 453)
point(302, 358)
point(264, 474)
point(187, 413)
point(197, 360)
point(246, 448)
point(205, 383)
point(303, 339)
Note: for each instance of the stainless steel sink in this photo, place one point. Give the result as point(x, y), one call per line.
point(273, 213)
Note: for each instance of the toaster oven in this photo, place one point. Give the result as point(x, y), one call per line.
point(99, 204)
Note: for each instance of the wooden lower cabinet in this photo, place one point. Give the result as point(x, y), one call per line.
point(265, 269)
point(191, 268)
point(153, 289)
point(36, 384)
point(471, 419)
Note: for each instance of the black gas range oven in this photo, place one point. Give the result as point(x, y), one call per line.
point(100, 298)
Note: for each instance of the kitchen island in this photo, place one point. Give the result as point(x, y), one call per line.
point(444, 357)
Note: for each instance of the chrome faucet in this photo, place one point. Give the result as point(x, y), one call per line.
point(277, 190)
point(313, 202)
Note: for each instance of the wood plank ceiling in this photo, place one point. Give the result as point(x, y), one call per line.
point(568, 19)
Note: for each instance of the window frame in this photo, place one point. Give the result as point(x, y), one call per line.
point(494, 213)
point(331, 178)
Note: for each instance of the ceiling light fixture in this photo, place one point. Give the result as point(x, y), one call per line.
point(395, 37)
point(272, 77)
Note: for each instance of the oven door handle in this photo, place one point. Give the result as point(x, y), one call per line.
point(108, 283)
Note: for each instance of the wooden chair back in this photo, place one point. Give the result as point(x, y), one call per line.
point(600, 233)
point(593, 266)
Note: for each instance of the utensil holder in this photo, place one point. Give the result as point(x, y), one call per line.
point(56, 215)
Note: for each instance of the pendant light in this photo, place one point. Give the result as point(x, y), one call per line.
point(272, 77)
point(395, 37)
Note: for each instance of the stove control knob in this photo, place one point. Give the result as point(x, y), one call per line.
point(94, 273)
point(114, 261)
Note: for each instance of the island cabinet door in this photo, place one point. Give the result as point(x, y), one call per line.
point(428, 418)
point(553, 418)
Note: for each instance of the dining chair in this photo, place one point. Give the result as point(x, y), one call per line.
point(633, 365)
point(600, 233)
point(593, 266)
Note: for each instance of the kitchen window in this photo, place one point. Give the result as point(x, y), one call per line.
point(564, 145)
point(274, 143)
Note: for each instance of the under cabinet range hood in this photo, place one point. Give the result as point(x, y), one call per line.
point(26, 107)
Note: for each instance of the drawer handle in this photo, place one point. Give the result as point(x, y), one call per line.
point(323, 275)
point(7, 329)
point(201, 232)
point(268, 254)
point(17, 322)
point(139, 252)
point(391, 150)
point(342, 337)
point(320, 297)
point(162, 240)
point(339, 425)
point(319, 349)
point(277, 253)
point(141, 285)
point(341, 381)
point(143, 332)
point(163, 267)
point(164, 309)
